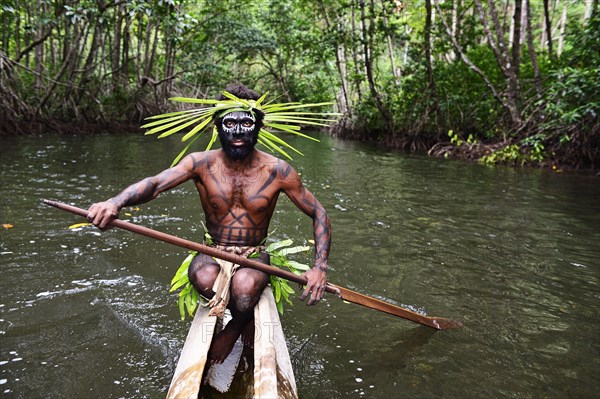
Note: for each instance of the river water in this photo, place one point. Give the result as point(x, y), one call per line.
point(513, 254)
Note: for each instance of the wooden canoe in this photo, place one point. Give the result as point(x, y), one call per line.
point(265, 372)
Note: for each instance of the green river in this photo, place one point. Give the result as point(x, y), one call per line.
point(512, 253)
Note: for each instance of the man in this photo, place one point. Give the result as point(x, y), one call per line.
point(238, 187)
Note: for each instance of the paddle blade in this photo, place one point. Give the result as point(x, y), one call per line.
point(439, 323)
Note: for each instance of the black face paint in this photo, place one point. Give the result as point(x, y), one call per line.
point(238, 134)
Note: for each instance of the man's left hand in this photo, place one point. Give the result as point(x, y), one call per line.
point(315, 285)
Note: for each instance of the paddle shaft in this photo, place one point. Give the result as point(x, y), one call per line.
point(344, 293)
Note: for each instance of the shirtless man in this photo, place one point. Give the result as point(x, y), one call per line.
point(238, 187)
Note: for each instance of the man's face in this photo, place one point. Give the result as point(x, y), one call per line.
point(238, 134)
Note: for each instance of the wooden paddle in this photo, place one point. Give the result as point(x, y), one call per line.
point(439, 323)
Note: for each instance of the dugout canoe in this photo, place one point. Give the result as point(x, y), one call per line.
point(265, 372)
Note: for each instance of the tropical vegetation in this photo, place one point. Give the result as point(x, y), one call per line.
point(509, 81)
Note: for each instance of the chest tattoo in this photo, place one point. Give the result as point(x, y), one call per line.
point(238, 211)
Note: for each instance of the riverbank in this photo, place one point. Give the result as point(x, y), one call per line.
point(55, 126)
point(564, 159)
point(580, 156)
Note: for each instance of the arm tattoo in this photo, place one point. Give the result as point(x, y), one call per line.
point(321, 227)
point(135, 194)
point(307, 202)
point(151, 187)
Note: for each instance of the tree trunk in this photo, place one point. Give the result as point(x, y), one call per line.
point(5, 32)
point(88, 66)
point(343, 72)
point(355, 57)
point(496, 42)
point(454, 27)
point(431, 87)
point(150, 52)
point(140, 40)
point(340, 61)
point(589, 6)
point(501, 99)
point(55, 80)
point(126, 43)
point(548, 28)
point(509, 65)
point(116, 50)
point(390, 44)
point(516, 52)
point(39, 56)
point(532, 54)
point(408, 30)
point(367, 40)
point(563, 24)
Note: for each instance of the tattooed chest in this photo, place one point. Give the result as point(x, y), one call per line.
point(239, 214)
point(239, 195)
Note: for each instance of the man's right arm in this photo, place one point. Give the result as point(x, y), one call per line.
point(101, 213)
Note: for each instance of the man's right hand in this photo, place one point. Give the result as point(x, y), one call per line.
point(100, 214)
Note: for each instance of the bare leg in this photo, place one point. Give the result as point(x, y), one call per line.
point(246, 287)
point(202, 273)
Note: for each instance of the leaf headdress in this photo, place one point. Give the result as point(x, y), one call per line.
point(278, 118)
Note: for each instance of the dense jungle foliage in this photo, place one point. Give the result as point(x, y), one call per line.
point(511, 81)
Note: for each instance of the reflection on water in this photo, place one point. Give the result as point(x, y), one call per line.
point(513, 254)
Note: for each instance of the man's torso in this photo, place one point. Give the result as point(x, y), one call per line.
point(238, 203)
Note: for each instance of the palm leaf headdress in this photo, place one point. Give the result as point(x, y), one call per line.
point(278, 118)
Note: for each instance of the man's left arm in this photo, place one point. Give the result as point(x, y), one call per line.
point(305, 201)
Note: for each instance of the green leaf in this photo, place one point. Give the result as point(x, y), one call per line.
point(182, 153)
point(195, 130)
point(174, 123)
point(261, 99)
point(301, 113)
point(194, 100)
point(298, 266)
point(188, 302)
point(213, 138)
point(294, 250)
point(276, 139)
point(239, 100)
point(185, 290)
point(279, 244)
point(269, 144)
point(181, 303)
point(288, 106)
point(301, 121)
point(278, 291)
point(194, 303)
point(288, 289)
point(288, 301)
point(304, 136)
point(183, 281)
point(167, 115)
point(230, 110)
point(184, 266)
point(184, 115)
point(277, 261)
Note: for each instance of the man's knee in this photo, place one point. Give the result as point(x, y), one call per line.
point(202, 273)
point(246, 287)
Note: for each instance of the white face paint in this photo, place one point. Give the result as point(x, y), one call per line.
point(238, 134)
point(238, 123)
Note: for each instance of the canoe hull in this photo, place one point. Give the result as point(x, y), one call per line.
point(265, 372)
